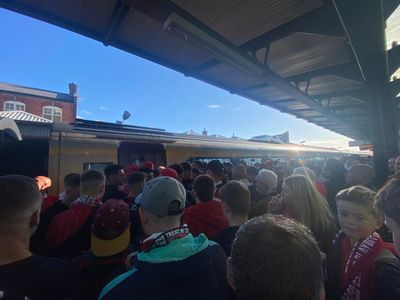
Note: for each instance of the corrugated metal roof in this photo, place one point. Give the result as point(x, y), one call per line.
point(292, 55)
point(35, 130)
point(23, 116)
point(13, 88)
point(256, 17)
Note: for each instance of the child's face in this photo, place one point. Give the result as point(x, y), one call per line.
point(356, 221)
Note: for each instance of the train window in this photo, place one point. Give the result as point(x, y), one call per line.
point(14, 105)
point(129, 152)
point(208, 159)
point(99, 166)
point(52, 113)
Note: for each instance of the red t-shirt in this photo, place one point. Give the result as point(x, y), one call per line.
point(205, 217)
point(48, 201)
point(320, 186)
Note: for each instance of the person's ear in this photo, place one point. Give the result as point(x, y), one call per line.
point(229, 273)
point(225, 208)
point(35, 218)
point(379, 223)
point(102, 190)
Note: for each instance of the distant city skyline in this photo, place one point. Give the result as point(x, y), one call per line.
point(40, 55)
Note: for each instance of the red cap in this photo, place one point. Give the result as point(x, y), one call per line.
point(169, 172)
point(110, 231)
point(131, 169)
point(149, 164)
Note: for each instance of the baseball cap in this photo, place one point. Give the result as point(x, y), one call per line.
point(162, 196)
point(110, 231)
point(131, 169)
point(43, 182)
point(149, 164)
point(169, 172)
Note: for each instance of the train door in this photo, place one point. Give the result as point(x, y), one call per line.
point(129, 152)
point(70, 154)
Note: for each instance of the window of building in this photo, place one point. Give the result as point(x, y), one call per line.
point(14, 105)
point(52, 113)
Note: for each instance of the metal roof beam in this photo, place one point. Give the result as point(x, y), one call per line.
point(34, 12)
point(301, 110)
point(292, 91)
point(347, 71)
point(204, 66)
point(121, 10)
point(350, 106)
point(355, 93)
point(333, 108)
point(183, 25)
point(155, 9)
point(254, 87)
point(284, 101)
point(322, 20)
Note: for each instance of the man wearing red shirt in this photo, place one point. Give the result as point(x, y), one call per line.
point(69, 232)
point(206, 216)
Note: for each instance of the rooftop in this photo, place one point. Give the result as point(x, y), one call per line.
point(29, 91)
point(18, 115)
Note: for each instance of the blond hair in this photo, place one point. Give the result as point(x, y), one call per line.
point(310, 174)
point(309, 206)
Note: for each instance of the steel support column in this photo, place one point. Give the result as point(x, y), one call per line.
point(369, 49)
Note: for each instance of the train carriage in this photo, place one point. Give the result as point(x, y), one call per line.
point(89, 144)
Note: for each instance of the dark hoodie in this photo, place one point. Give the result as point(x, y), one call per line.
point(187, 268)
point(205, 217)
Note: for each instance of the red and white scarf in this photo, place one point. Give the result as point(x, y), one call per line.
point(357, 266)
point(86, 200)
point(163, 239)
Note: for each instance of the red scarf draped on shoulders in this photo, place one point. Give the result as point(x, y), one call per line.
point(352, 266)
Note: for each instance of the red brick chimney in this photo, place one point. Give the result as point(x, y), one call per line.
point(73, 91)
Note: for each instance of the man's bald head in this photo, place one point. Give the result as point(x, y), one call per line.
point(361, 174)
point(20, 198)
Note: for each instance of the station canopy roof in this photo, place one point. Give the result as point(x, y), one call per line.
point(296, 56)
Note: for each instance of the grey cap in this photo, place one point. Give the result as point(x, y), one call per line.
point(162, 196)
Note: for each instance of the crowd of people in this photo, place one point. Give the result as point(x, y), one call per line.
point(217, 230)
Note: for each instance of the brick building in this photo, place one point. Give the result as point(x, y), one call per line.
point(54, 106)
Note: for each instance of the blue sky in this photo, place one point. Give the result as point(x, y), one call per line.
point(37, 54)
